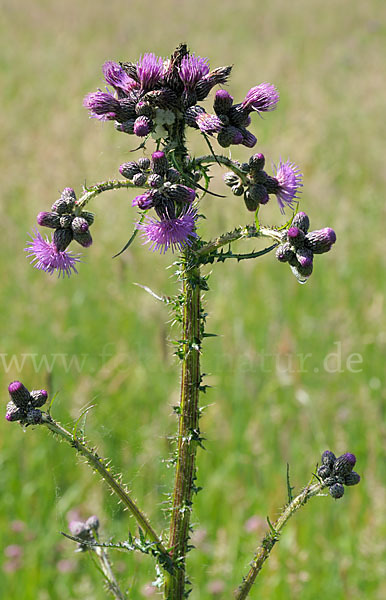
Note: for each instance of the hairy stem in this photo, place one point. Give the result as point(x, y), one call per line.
point(263, 552)
point(99, 464)
point(105, 186)
point(247, 232)
point(188, 432)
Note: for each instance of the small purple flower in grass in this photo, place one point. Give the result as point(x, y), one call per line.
point(175, 233)
point(289, 179)
point(102, 106)
point(261, 98)
point(150, 70)
point(193, 68)
point(45, 256)
point(117, 77)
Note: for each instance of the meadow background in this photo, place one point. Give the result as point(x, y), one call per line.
point(112, 341)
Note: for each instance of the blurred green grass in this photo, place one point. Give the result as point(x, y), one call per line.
point(327, 59)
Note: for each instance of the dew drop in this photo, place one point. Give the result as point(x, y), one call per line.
point(302, 279)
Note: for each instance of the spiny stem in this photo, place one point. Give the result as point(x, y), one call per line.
point(188, 432)
point(271, 538)
point(247, 232)
point(97, 463)
point(104, 186)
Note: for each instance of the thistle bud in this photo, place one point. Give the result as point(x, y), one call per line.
point(352, 478)
point(238, 116)
point(250, 202)
point(295, 236)
point(172, 175)
point(259, 193)
point(305, 257)
point(328, 459)
point(38, 398)
point(249, 140)
point(33, 416)
point(305, 270)
point(159, 162)
point(336, 490)
point(65, 221)
point(284, 253)
point(222, 102)
point(79, 225)
point(88, 216)
point(93, 523)
point(344, 464)
point(238, 190)
point(155, 181)
point(324, 472)
point(230, 179)
point(83, 238)
point(14, 413)
point(143, 109)
point(144, 163)
point(181, 193)
point(19, 394)
point(321, 240)
point(126, 126)
point(257, 162)
point(229, 135)
point(62, 238)
point(142, 126)
point(48, 219)
point(139, 179)
point(302, 221)
point(129, 169)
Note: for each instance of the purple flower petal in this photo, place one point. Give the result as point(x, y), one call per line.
point(165, 233)
point(117, 77)
point(193, 68)
point(102, 106)
point(150, 70)
point(46, 257)
point(289, 179)
point(262, 98)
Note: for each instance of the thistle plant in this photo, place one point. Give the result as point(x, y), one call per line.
point(155, 100)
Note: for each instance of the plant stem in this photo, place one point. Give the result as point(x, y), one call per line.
point(99, 464)
point(263, 552)
point(108, 573)
point(105, 186)
point(247, 232)
point(188, 432)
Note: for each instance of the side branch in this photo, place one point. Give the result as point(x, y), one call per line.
point(104, 186)
point(272, 537)
point(97, 463)
point(247, 232)
point(222, 160)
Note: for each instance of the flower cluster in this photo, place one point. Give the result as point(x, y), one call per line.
point(69, 224)
point(337, 472)
point(84, 531)
point(230, 121)
point(152, 93)
point(172, 201)
point(24, 405)
point(298, 247)
point(256, 185)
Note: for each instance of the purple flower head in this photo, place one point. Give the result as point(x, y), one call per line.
point(175, 233)
point(47, 258)
point(209, 123)
point(288, 177)
point(159, 162)
point(20, 396)
point(143, 201)
point(321, 240)
point(192, 69)
point(117, 77)
point(142, 126)
point(149, 70)
point(102, 105)
point(262, 98)
point(222, 102)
